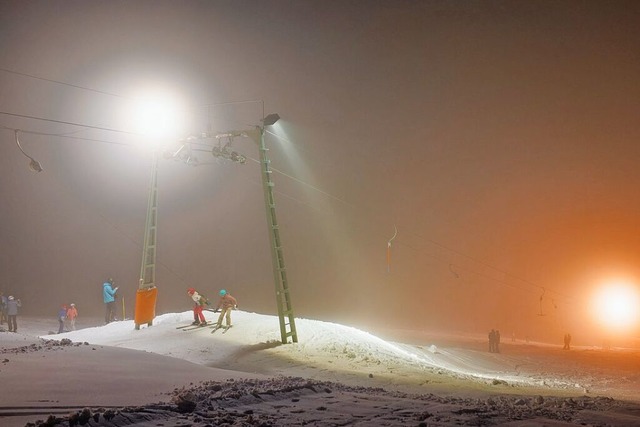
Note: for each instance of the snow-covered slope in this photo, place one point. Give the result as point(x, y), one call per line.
point(254, 343)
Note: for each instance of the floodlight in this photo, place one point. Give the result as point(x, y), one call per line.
point(270, 119)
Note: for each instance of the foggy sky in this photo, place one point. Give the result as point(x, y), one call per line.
point(500, 138)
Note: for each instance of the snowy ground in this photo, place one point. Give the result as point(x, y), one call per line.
point(334, 375)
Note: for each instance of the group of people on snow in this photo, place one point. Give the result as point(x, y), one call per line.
point(9, 311)
point(226, 303)
point(68, 313)
point(494, 341)
point(67, 316)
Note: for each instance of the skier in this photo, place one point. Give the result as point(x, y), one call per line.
point(199, 303)
point(72, 314)
point(12, 313)
point(225, 305)
point(109, 296)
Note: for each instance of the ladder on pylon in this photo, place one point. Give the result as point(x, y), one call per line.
point(283, 297)
point(148, 268)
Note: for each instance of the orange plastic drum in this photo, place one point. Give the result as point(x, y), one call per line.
point(145, 306)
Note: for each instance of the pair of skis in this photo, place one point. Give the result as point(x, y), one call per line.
point(192, 327)
point(225, 328)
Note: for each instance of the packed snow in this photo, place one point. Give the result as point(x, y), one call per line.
point(322, 344)
point(114, 375)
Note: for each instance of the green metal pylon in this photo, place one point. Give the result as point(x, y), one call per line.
point(148, 266)
point(283, 297)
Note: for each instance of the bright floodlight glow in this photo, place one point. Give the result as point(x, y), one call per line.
point(156, 114)
point(616, 306)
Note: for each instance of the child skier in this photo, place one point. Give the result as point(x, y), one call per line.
point(200, 301)
point(62, 315)
point(225, 305)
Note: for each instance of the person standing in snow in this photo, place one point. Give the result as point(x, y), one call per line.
point(567, 342)
point(12, 313)
point(493, 341)
point(199, 303)
point(72, 314)
point(225, 305)
point(3, 308)
point(109, 297)
point(62, 315)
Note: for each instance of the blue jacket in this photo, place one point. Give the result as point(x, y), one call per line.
point(108, 293)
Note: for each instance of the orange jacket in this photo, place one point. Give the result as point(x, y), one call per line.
point(72, 313)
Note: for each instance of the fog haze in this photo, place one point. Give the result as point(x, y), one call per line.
point(499, 138)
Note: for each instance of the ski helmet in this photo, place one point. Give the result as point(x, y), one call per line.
point(222, 292)
point(191, 291)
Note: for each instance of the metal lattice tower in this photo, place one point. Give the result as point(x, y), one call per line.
point(147, 291)
point(148, 268)
point(283, 297)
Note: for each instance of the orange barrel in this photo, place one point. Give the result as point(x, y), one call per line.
point(145, 306)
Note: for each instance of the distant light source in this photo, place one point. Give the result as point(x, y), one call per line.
point(270, 119)
point(34, 165)
point(616, 306)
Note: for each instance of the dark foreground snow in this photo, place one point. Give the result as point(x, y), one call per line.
point(287, 401)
